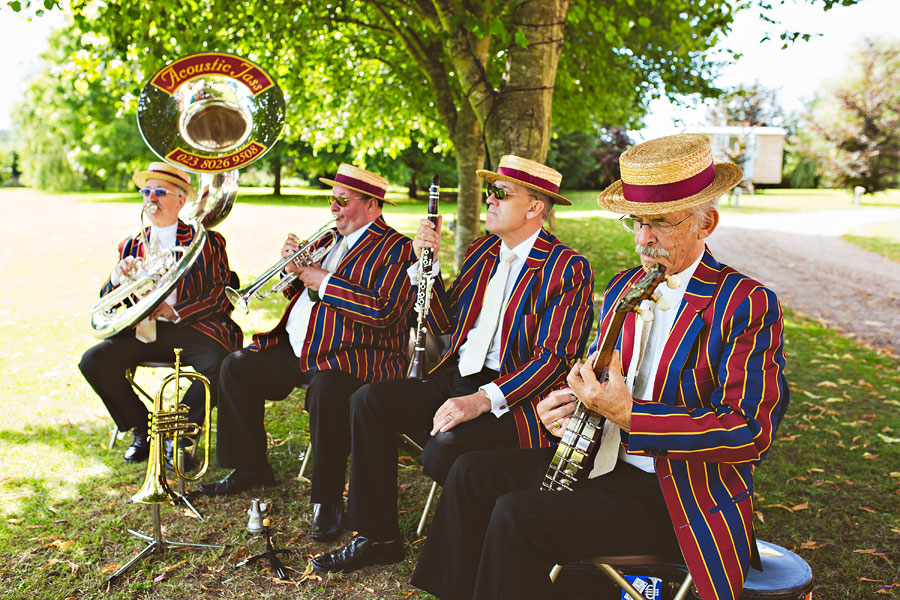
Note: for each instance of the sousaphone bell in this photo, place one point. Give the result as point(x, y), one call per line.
point(213, 114)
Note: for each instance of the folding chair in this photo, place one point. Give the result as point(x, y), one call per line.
point(785, 575)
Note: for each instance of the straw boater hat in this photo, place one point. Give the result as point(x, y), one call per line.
point(360, 180)
point(528, 173)
point(166, 172)
point(669, 174)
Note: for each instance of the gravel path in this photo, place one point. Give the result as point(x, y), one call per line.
point(802, 258)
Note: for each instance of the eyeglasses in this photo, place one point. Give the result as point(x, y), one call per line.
point(658, 227)
point(158, 192)
point(498, 193)
point(342, 202)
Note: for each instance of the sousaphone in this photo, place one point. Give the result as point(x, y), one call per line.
point(212, 114)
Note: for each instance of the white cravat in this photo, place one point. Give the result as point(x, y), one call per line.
point(605, 460)
point(161, 238)
point(479, 339)
point(298, 321)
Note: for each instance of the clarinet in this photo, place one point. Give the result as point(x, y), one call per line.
point(423, 297)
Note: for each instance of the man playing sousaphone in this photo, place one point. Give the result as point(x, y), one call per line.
point(195, 316)
point(346, 325)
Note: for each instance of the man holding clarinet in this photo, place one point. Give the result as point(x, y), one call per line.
point(518, 313)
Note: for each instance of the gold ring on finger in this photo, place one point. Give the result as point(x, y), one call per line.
point(556, 425)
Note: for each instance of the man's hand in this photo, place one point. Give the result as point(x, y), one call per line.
point(164, 311)
point(428, 236)
point(291, 245)
point(459, 410)
point(125, 267)
point(610, 398)
point(311, 277)
point(555, 409)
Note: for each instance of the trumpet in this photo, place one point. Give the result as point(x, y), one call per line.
point(174, 423)
point(311, 251)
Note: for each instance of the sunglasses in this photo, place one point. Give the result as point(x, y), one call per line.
point(158, 192)
point(342, 202)
point(498, 193)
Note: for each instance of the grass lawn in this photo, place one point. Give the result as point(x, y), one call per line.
point(883, 238)
point(829, 490)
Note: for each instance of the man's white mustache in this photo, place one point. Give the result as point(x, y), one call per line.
point(651, 251)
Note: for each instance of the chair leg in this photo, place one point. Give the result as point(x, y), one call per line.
point(306, 455)
point(113, 435)
point(427, 509)
point(621, 581)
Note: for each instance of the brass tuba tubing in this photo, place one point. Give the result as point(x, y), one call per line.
point(306, 254)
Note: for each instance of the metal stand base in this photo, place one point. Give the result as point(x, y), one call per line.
point(271, 554)
point(157, 544)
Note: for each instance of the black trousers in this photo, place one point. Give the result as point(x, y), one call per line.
point(380, 411)
point(104, 366)
point(495, 535)
point(250, 378)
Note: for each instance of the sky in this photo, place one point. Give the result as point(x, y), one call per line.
point(796, 72)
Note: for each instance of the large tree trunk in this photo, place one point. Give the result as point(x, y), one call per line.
point(518, 121)
point(468, 144)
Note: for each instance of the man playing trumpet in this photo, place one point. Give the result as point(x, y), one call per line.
point(194, 317)
point(345, 326)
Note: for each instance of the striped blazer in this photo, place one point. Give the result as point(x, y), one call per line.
point(718, 397)
point(545, 325)
point(201, 302)
point(359, 326)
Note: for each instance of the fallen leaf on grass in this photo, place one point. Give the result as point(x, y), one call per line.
point(885, 589)
point(866, 551)
point(894, 474)
point(888, 440)
point(867, 580)
point(828, 384)
point(803, 506)
point(815, 470)
point(109, 569)
point(238, 555)
point(14, 521)
point(788, 438)
point(812, 545)
point(867, 509)
point(869, 455)
point(787, 508)
point(833, 400)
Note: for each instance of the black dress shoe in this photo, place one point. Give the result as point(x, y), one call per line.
point(186, 462)
point(359, 552)
point(327, 520)
point(139, 448)
point(238, 481)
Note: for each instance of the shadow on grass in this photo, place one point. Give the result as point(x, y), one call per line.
point(66, 513)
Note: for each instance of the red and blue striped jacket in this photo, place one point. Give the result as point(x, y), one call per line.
point(718, 397)
point(359, 326)
point(545, 325)
point(201, 303)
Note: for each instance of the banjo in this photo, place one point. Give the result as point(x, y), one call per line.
point(579, 444)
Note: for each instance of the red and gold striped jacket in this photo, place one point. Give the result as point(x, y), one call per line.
point(359, 326)
point(718, 397)
point(545, 325)
point(201, 303)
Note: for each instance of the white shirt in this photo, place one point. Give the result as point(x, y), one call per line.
point(298, 320)
point(164, 239)
point(492, 360)
point(662, 323)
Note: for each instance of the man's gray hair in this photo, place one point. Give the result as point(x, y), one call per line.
point(545, 199)
point(703, 214)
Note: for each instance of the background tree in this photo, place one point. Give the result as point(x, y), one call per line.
point(855, 123)
point(753, 105)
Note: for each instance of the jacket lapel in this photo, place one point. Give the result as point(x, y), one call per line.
point(184, 235)
point(528, 276)
point(687, 327)
point(373, 232)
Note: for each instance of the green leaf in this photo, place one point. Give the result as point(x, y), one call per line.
point(643, 21)
point(521, 38)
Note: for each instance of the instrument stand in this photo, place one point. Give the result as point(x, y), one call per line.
point(181, 498)
point(271, 554)
point(157, 544)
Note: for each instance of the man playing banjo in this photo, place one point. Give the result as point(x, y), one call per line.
point(693, 399)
